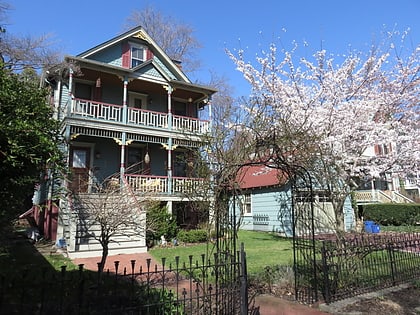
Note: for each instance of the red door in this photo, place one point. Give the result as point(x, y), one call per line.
point(79, 163)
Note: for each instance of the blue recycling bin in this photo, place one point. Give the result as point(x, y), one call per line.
point(368, 226)
point(375, 228)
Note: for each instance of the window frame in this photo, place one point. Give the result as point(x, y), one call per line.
point(137, 60)
point(246, 204)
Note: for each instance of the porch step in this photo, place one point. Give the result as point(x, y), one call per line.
point(95, 250)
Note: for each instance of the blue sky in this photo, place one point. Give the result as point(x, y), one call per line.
point(331, 24)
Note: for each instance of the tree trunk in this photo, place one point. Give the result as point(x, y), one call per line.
point(104, 257)
point(338, 205)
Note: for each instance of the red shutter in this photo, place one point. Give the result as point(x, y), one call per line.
point(126, 55)
point(149, 54)
point(377, 149)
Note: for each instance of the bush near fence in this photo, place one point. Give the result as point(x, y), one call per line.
point(393, 213)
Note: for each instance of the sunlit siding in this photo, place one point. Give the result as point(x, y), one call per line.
point(111, 55)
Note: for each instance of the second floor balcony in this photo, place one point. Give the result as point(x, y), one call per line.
point(99, 111)
point(163, 185)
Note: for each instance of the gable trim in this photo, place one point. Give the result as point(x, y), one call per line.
point(140, 33)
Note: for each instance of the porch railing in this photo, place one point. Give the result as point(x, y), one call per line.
point(182, 123)
point(97, 110)
point(160, 184)
point(379, 196)
point(140, 117)
point(147, 118)
point(185, 185)
point(149, 184)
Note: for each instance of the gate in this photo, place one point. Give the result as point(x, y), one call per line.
point(304, 247)
point(300, 210)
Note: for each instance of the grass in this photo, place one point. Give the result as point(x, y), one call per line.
point(262, 249)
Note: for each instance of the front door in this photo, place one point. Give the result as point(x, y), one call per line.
point(79, 163)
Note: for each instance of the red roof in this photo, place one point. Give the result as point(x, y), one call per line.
point(254, 176)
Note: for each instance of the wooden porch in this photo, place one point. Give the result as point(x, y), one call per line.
point(113, 113)
point(164, 185)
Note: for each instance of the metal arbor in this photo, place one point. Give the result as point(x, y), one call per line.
point(300, 214)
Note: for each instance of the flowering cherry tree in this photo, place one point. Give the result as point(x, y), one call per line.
point(330, 110)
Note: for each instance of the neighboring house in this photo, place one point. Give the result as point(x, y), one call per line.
point(387, 187)
point(127, 110)
point(265, 203)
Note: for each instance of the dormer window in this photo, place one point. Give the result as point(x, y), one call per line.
point(134, 54)
point(138, 55)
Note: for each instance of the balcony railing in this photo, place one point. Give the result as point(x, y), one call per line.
point(147, 118)
point(97, 110)
point(185, 185)
point(140, 117)
point(182, 123)
point(160, 184)
point(148, 184)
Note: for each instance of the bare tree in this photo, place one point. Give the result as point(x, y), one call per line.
point(174, 37)
point(112, 214)
point(20, 52)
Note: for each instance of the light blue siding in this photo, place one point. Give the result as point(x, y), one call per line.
point(271, 211)
point(112, 55)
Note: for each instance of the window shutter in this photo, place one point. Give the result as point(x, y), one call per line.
point(126, 55)
point(149, 54)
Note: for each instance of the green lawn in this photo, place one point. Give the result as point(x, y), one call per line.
point(262, 249)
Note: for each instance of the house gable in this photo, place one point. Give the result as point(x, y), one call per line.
point(136, 51)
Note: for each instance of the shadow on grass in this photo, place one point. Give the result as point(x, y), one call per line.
point(18, 254)
point(30, 284)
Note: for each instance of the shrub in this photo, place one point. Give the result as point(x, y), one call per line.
point(274, 279)
point(159, 222)
point(192, 236)
point(392, 213)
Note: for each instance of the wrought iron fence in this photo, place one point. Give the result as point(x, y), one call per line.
point(207, 285)
point(367, 262)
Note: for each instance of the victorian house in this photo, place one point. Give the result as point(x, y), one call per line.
point(129, 116)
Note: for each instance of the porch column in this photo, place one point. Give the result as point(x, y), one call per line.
point(169, 207)
point(122, 143)
point(169, 90)
point(69, 109)
point(169, 171)
point(125, 100)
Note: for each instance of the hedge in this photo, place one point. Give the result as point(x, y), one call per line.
point(192, 236)
point(392, 213)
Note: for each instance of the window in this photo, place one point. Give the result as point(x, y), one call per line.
point(137, 100)
point(137, 55)
point(246, 204)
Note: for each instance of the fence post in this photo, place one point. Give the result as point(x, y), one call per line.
point(326, 287)
point(391, 261)
point(244, 283)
